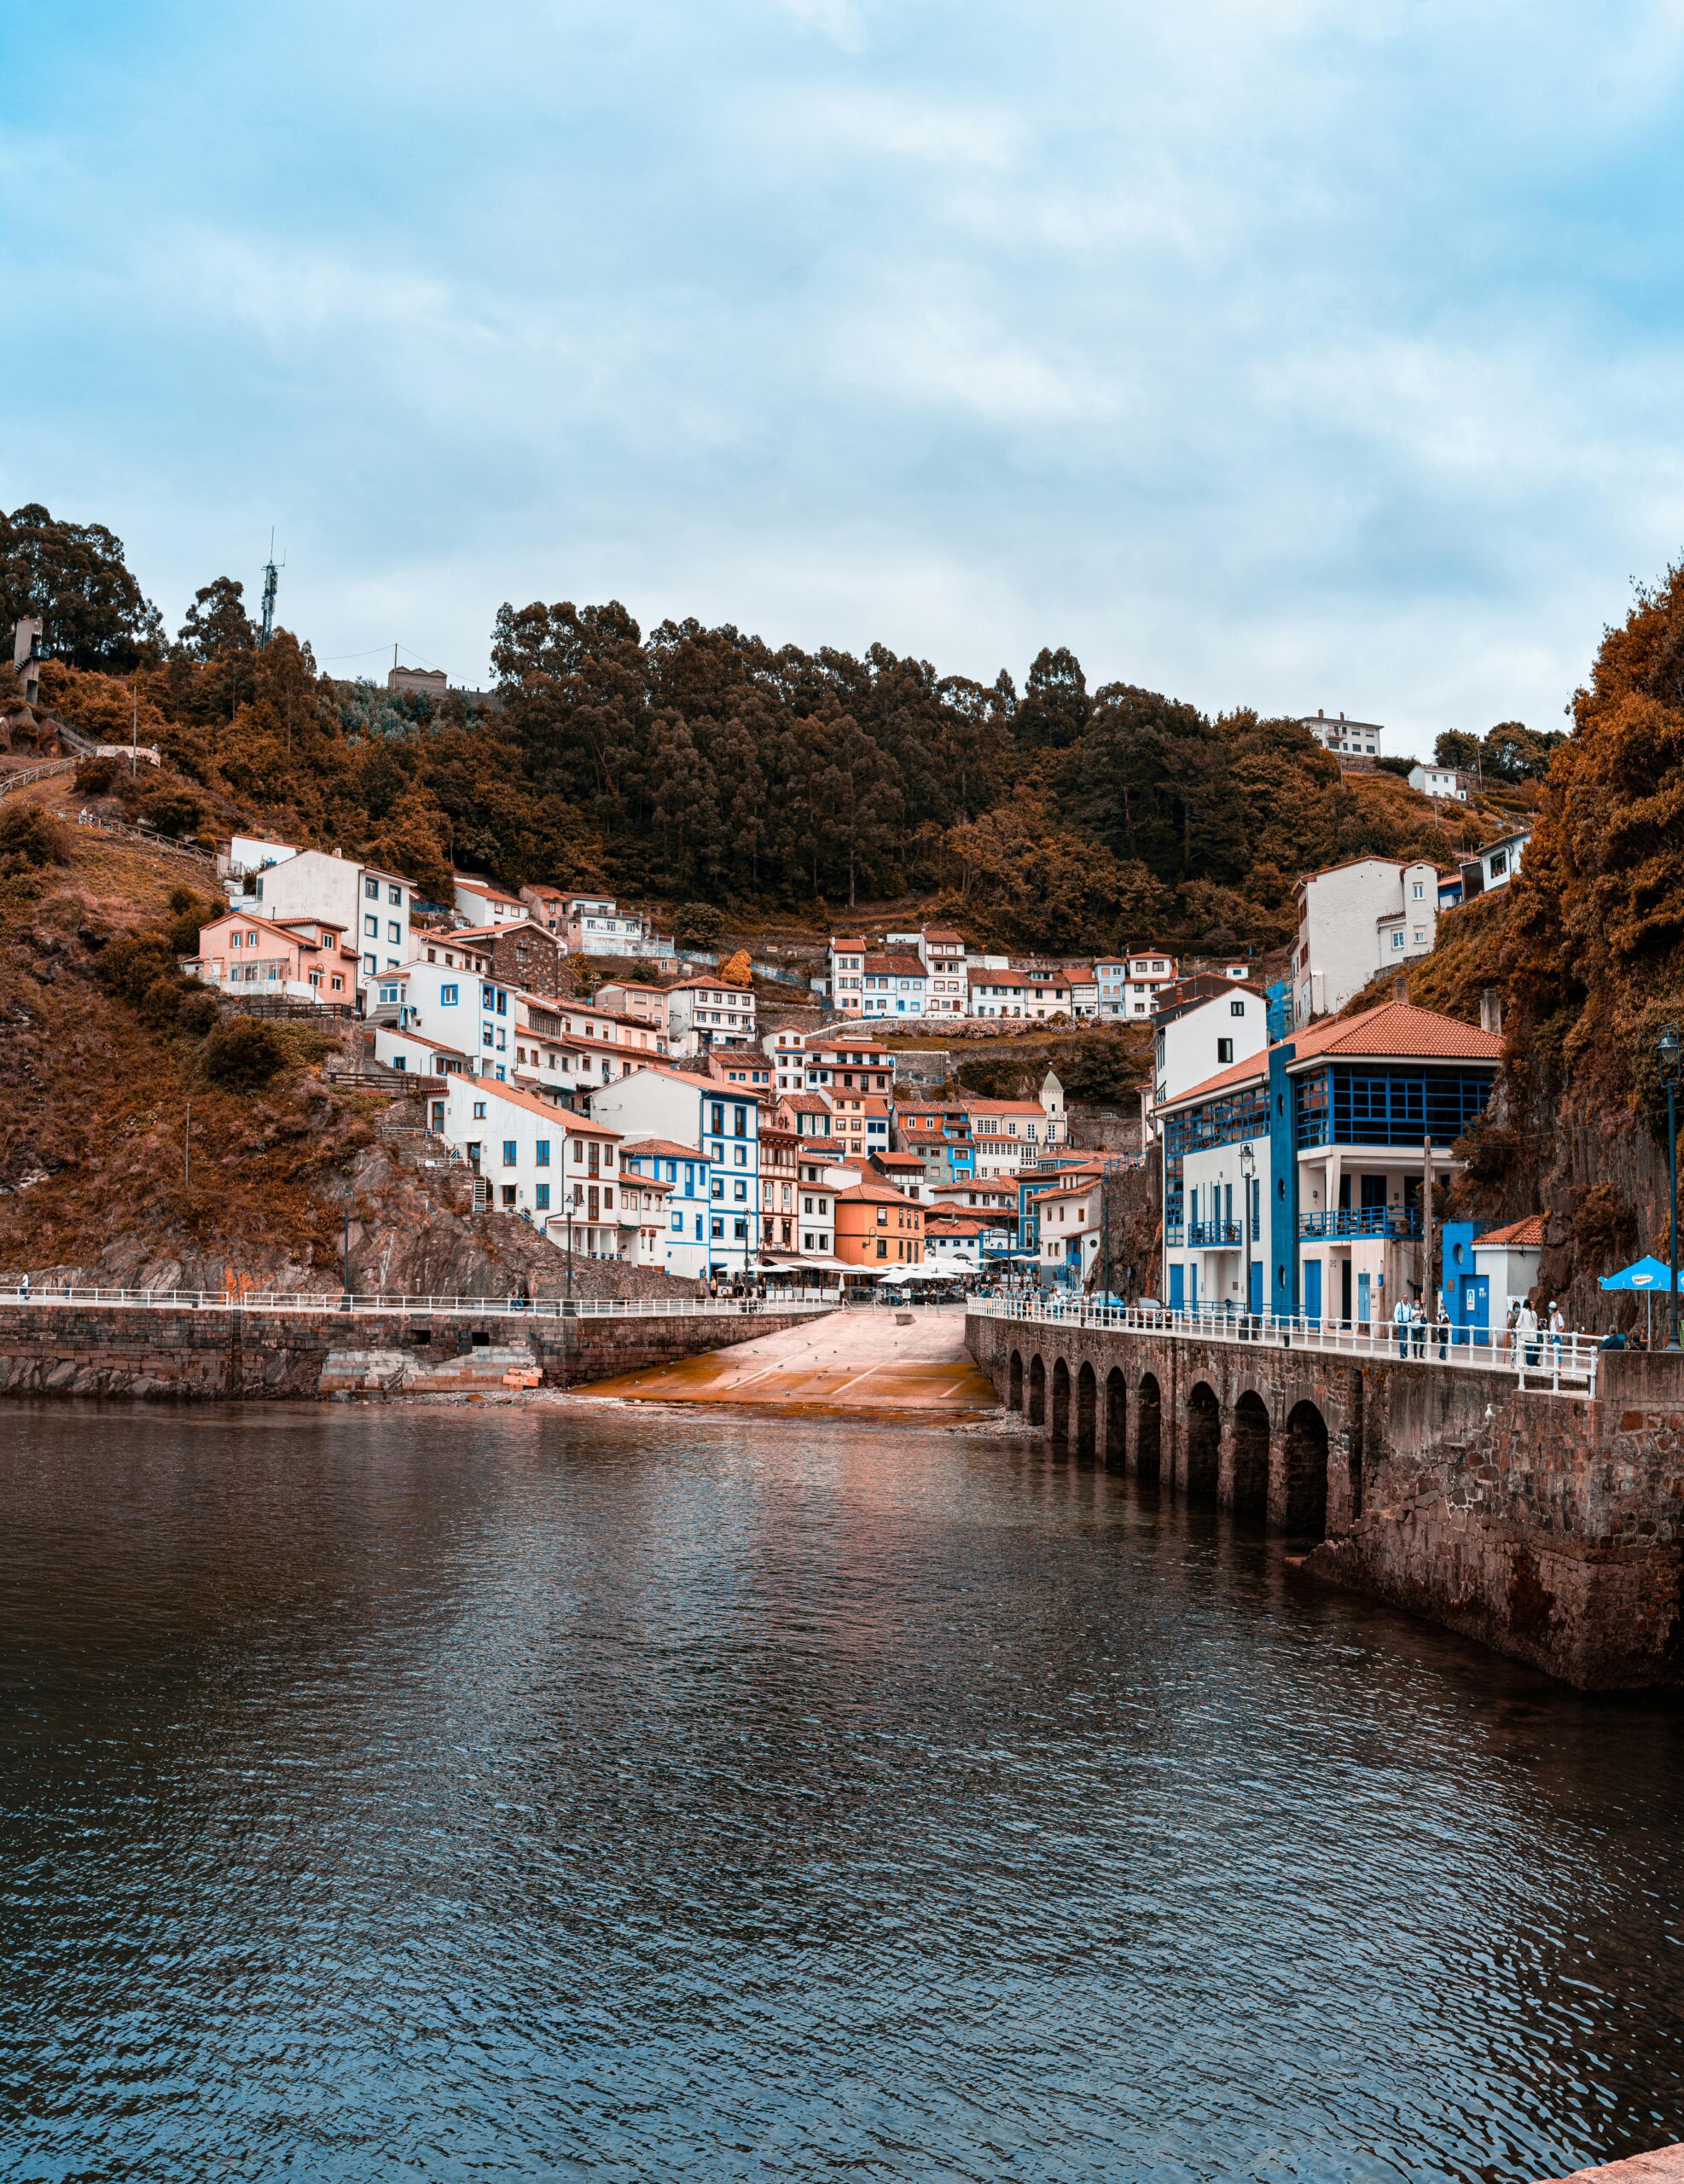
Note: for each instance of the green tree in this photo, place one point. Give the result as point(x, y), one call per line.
point(73, 576)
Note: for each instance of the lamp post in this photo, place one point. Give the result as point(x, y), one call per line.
point(345, 1275)
point(1672, 1054)
point(1248, 1168)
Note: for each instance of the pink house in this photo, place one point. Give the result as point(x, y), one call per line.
point(297, 959)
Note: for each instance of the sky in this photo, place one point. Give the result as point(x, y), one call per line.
point(1287, 353)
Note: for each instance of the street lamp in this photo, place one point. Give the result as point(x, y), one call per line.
point(1672, 1064)
point(1248, 1168)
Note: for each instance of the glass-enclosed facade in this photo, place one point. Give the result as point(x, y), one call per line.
point(1343, 1105)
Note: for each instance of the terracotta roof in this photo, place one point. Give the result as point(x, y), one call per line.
point(804, 1103)
point(580, 1125)
point(495, 932)
point(667, 1147)
point(1518, 1235)
point(471, 886)
point(854, 947)
point(412, 1039)
point(1004, 1107)
point(1398, 1029)
point(877, 1195)
point(943, 936)
point(901, 1159)
point(898, 967)
point(715, 983)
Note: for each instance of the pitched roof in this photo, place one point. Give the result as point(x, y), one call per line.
point(580, 1125)
point(1519, 1235)
point(943, 936)
point(1398, 1029)
point(898, 967)
point(713, 980)
point(471, 887)
point(877, 1195)
point(804, 1103)
point(980, 1107)
point(667, 1147)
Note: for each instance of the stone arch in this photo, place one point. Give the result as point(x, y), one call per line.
point(1087, 1411)
point(1148, 1427)
point(1116, 1417)
point(1203, 1440)
point(1060, 1403)
point(1037, 1390)
point(1014, 1382)
point(1304, 1495)
point(1248, 1491)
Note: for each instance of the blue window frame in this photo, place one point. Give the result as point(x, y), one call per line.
point(511, 1153)
point(447, 996)
point(541, 1196)
point(1348, 1105)
point(542, 1153)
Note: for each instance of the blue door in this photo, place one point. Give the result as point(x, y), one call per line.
point(1257, 1284)
point(1193, 1285)
point(1476, 1307)
point(1177, 1286)
point(1312, 1289)
point(1363, 1283)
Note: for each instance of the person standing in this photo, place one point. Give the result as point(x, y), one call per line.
point(1400, 1320)
point(1441, 1326)
point(1558, 1328)
point(1526, 1332)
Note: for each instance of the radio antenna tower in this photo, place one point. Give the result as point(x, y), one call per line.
point(271, 581)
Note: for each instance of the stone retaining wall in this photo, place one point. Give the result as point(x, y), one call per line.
point(216, 1354)
point(1550, 1527)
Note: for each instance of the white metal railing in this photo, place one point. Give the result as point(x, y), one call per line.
point(335, 1300)
point(1541, 1363)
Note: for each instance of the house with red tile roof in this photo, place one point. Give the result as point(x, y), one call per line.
point(1296, 1179)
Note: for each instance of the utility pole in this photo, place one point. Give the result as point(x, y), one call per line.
point(1672, 1056)
point(271, 583)
point(134, 731)
point(1429, 1294)
point(187, 1148)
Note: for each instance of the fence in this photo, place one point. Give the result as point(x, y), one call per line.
point(336, 1300)
point(1542, 1363)
point(23, 777)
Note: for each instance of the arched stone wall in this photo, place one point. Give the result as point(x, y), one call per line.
point(1201, 1465)
point(1060, 1403)
point(1117, 1419)
point(1149, 1429)
point(1299, 1500)
point(1014, 1382)
point(1245, 1488)
point(1086, 1412)
point(1037, 1390)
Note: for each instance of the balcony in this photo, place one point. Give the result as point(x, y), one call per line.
point(1392, 1223)
point(1211, 1234)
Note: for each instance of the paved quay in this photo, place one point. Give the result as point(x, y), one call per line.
point(1663, 2166)
point(877, 1363)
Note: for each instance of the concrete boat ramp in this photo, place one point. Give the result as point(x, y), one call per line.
point(866, 1362)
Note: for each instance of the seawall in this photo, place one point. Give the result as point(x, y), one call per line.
point(228, 1354)
point(1548, 1527)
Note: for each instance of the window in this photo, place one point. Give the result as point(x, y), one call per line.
point(718, 1227)
point(394, 931)
point(438, 1122)
point(739, 1116)
point(479, 1111)
point(395, 897)
point(371, 927)
point(1236, 1009)
point(717, 1125)
point(1398, 940)
point(371, 888)
point(369, 964)
point(1224, 1050)
point(740, 1230)
point(1499, 862)
point(1417, 890)
point(542, 1153)
point(510, 1195)
point(447, 996)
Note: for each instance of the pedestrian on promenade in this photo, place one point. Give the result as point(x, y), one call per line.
point(1558, 1328)
point(23, 1289)
point(1400, 1320)
point(1441, 1326)
point(1526, 1332)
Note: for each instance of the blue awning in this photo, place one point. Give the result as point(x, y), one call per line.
point(1645, 1274)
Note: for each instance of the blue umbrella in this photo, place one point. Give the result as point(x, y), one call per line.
point(1650, 1274)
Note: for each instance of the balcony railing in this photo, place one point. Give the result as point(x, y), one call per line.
point(1210, 1233)
point(1398, 1223)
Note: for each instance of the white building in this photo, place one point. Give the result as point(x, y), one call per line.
point(458, 1011)
point(1353, 739)
point(682, 1170)
point(942, 952)
point(1070, 1224)
point(1494, 866)
point(1197, 1042)
point(1355, 920)
point(786, 1052)
point(688, 1110)
point(556, 1169)
point(1128, 986)
point(893, 983)
point(371, 907)
point(594, 924)
point(478, 903)
point(705, 1012)
point(246, 855)
point(1438, 781)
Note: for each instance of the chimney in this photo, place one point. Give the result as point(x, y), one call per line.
point(1400, 988)
point(1491, 1011)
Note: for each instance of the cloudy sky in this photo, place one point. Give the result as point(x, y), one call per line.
point(1284, 353)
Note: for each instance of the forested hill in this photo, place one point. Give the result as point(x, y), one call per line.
point(696, 763)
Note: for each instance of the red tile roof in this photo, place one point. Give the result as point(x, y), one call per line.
point(898, 967)
point(574, 1124)
point(667, 1147)
point(1398, 1029)
point(1519, 1235)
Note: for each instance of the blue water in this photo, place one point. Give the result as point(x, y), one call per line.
point(444, 1795)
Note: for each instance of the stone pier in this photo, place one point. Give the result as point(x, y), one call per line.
point(1549, 1527)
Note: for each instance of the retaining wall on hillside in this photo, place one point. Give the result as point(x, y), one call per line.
point(221, 1354)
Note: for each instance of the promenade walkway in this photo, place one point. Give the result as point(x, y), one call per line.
point(876, 1363)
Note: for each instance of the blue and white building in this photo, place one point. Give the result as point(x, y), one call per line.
point(1293, 1179)
point(690, 1210)
point(457, 1008)
point(725, 1129)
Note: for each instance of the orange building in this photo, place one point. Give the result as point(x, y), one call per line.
point(876, 1227)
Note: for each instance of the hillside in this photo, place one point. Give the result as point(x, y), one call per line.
point(113, 1069)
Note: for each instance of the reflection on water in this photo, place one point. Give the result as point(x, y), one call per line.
point(441, 1796)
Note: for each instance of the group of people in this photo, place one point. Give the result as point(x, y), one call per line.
point(1528, 1327)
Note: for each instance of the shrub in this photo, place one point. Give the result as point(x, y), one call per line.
point(243, 1055)
point(698, 924)
point(30, 835)
point(197, 1013)
point(94, 776)
point(173, 812)
point(131, 965)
